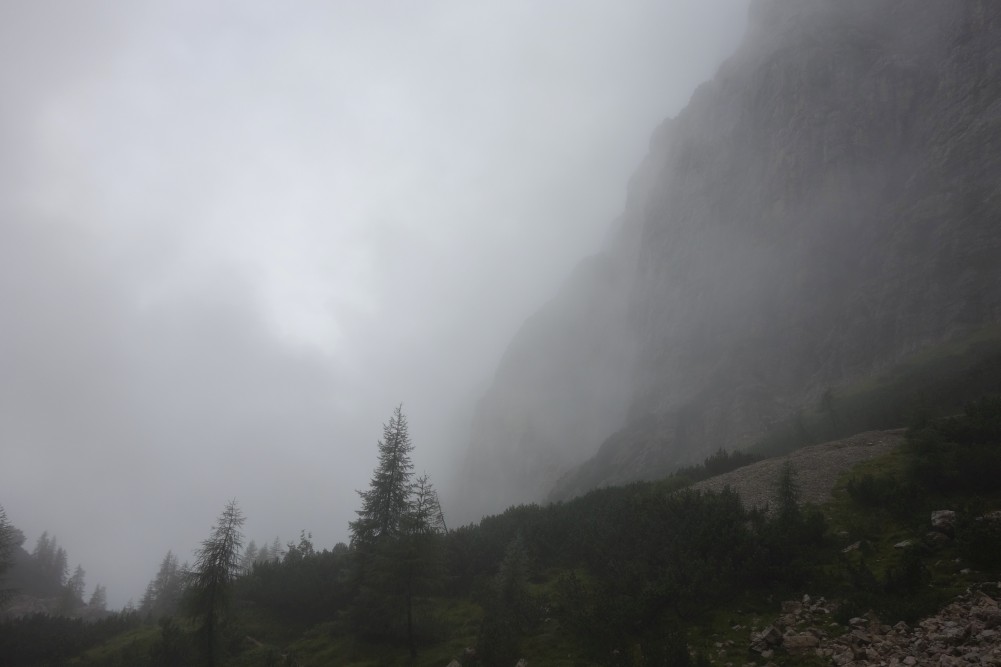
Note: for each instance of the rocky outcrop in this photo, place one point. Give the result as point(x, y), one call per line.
point(824, 206)
point(967, 631)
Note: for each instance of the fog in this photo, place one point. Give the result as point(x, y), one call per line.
point(234, 235)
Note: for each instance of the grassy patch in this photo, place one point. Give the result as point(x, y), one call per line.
point(136, 642)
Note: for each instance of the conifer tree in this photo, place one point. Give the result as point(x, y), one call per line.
point(396, 539)
point(98, 599)
point(71, 597)
point(425, 515)
point(250, 555)
point(60, 565)
point(8, 543)
point(787, 495)
point(509, 610)
point(50, 562)
point(419, 562)
point(217, 563)
point(43, 551)
point(387, 499)
point(163, 593)
point(75, 585)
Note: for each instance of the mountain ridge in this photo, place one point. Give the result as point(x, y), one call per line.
point(822, 208)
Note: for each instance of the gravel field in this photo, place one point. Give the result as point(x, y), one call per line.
point(817, 468)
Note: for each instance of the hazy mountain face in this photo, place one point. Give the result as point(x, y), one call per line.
point(823, 206)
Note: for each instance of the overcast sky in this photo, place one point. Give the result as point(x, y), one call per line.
point(235, 234)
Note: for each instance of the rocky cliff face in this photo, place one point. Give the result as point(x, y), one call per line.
point(828, 203)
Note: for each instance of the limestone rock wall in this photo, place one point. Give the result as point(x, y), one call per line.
point(828, 203)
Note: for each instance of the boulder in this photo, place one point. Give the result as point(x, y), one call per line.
point(792, 607)
point(799, 644)
point(944, 521)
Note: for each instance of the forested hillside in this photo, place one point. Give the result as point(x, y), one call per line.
point(651, 573)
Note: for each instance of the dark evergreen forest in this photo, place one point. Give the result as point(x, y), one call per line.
point(621, 576)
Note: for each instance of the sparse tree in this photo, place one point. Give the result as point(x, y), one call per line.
point(216, 565)
point(50, 562)
point(8, 543)
point(60, 565)
point(296, 553)
point(249, 557)
point(425, 515)
point(827, 401)
point(275, 553)
point(98, 599)
point(163, 594)
point(787, 495)
point(419, 561)
point(43, 552)
point(72, 593)
point(76, 583)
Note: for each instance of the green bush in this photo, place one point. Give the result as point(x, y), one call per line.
point(960, 453)
point(979, 541)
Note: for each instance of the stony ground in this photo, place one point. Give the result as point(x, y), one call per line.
point(966, 632)
point(817, 468)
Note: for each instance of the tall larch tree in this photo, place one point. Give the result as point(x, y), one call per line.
point(217, 564)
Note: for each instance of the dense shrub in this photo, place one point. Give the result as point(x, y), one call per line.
point(979, 540)
point(960, 453)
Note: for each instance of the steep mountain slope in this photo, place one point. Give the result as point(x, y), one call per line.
point(826, 205)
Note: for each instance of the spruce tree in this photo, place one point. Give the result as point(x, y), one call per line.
point(8, 543)
point(43, 552)
point(98, 599)
point(419, 559)
point(76, 583)
point(163, 593)
point(71, 597)
point(60, 565)
point(387, 499)
point(396, 540)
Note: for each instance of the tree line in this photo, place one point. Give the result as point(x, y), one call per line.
point(619, 575)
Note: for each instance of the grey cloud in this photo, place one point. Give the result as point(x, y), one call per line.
point(233, 235)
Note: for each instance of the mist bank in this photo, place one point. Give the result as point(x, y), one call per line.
point(824, 207)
